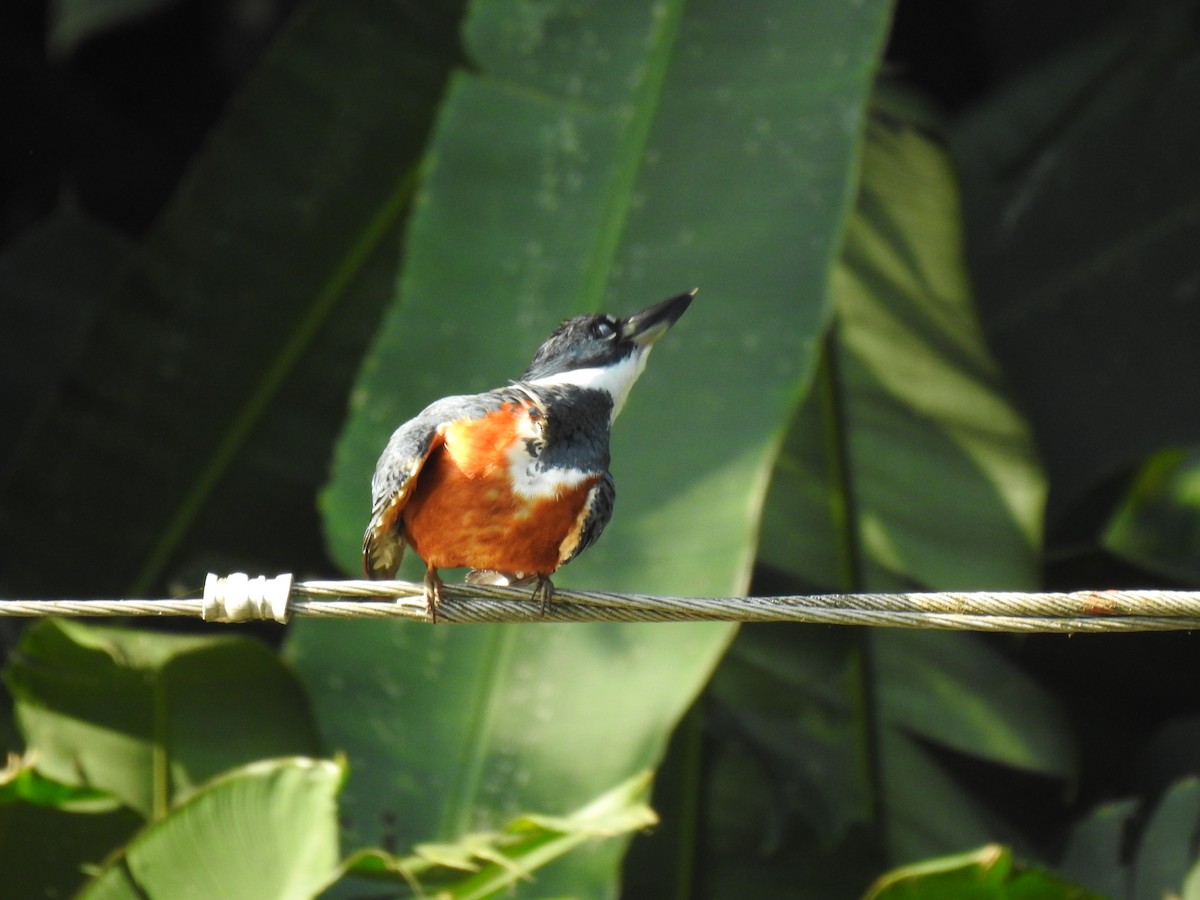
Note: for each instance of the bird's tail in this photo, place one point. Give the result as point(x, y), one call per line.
point(383, 546)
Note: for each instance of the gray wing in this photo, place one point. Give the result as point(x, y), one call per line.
point(596, 514)
point(399, 467)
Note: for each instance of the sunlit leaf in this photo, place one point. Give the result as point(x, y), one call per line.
point(266, 830)
point(965, 695)
point(148, 717)
point(911, 452)
point(21, 782)
point(907, 466)
point(479, 865)
point(990, 873)
point(1157, 525)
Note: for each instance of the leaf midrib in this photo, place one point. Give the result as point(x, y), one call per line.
point(274, 376)
point(630, 152)
point(456, 811)
point(489, 695)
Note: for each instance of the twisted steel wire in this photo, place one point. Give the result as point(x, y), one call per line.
point(237, 598)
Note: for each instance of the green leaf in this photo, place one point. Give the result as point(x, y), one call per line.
point(1096, 847)
point(598, 159)
point(803, 724)
point(566, 176)
point(938, 475)
point(786, 774)
point(909, 464)
point(1168, 846)
point(906, 466)
point(964, 695)
point(452, 729)
point(200, 413)
point(990, 873)
point(266, 830)
point(21, 782)
point(149, 717)
point(72, 22)
point(833, 732)
point(1084, 259)
point(1164, 859)
point(1157, 524)
point(479, 865)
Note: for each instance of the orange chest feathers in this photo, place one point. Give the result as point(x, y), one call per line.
point(483, 500)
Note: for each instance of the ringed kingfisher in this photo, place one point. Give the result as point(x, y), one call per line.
point(514, 483)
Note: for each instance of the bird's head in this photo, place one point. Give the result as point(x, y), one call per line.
point(602, 352)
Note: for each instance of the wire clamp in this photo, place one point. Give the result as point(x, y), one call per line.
point(240, 598)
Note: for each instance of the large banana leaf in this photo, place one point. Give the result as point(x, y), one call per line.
point(602, 157)
point(148, 717)
point(907, 467)
point(910, 461)
point(268, 829)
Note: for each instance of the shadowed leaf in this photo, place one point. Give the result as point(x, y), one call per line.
point(1084, 260)
point(201, 409)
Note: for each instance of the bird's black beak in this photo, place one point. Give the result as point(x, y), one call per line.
point(647, 326)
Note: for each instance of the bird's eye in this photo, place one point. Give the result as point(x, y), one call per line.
point(604, 328)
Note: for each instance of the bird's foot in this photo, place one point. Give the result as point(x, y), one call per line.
point(433, 593)
point(544, 591)
point(543, 588)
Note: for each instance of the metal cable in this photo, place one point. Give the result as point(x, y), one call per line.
point(237, 598)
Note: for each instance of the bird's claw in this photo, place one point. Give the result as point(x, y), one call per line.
point(433, 594)
point(543, 590)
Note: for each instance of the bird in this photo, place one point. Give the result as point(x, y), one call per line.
point(514, 483)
